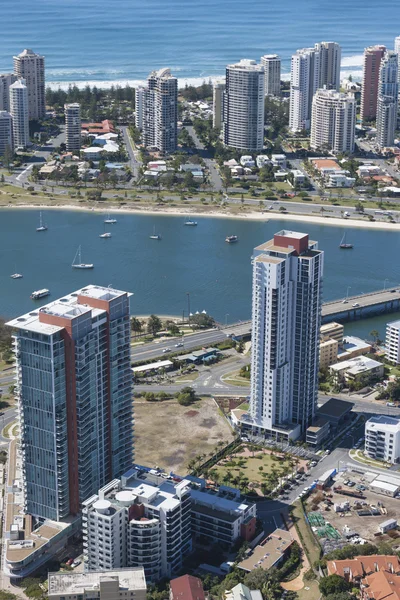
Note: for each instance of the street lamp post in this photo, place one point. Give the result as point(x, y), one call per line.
point(384, 283)
point(347, 294)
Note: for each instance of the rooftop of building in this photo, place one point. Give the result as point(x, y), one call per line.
point(377, 422)
point(216, 506)
point(363, 565)
point(242, 592)
point(356, 365)
point(330, 326)
point(335, 408)
point(317, 425)
point(27, 52)
point(269, 552)
point(351, 344)
point(77, 583)
point(67, 307)
point(325, 163)
point(381, 586)
point(394, 324)
point(246, 64)
point(187, 587)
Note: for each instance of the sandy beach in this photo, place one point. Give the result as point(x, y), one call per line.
point(215, 213)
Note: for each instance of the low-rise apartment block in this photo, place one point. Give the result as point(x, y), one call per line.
point(120, 584)
point(332, 331)
point(269, 553)
point(356, 370)
point(382, 438)
point(140, 520)
point(328, 353)
point(393, 342)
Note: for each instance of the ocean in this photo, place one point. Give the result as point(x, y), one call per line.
point(107, 42)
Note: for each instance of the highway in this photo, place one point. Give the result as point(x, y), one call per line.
point(362, 301)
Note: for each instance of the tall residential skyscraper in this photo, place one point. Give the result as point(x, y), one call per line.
point(6, 79)
point(333, 121)
point(369, 91)
point(397, 50)
point(30, 66)
point(272, 68)
point(311, 69)
point(244, 106)
point(72, 114)
point(160, 112)
point(74, 390)
point(6, 137)
point(20, 113)
point(218, 103)
point(388, 99)
point(286, 317)
point(140, 97)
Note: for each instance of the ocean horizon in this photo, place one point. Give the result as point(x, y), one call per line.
point(98, 43)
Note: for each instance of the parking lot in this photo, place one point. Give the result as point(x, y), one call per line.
point(358, 522)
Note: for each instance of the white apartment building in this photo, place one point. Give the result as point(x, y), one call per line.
point(160, 112)
point(119, 584)
point(6, 79)
point(393, 342)
point(397, 50)
point(382, 438)
point(139, 520)
point(311, 69)
point(19, 110)
point(388, 93)
point(218, 103)
point(244, 106)
point(286, 318)
point(6, 138)
point(333, 121)
point(272, 68)
point(30, 66)
point(72, 114)
point(140, 95)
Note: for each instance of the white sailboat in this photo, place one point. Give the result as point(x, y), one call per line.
point(41, 226)
point(110, 220)
point(16, 276)
point(77, 262)
point(155, 236)
point(106, 234)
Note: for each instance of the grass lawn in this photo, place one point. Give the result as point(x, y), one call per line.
point(234, 378)
point(170, 435)
point(310, 591)
point(359, 456)
point(310, 544)
point(188, 377)
point(251, 467)
point(244, 406)
point(7, 428)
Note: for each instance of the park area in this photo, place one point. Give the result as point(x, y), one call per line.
point(170, 435)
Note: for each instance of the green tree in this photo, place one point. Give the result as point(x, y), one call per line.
point(375, 334)
point(202, 320)
point(7, 157)
point(186, 396)
point(136, 325)
point(154, 324)
point(333, 584)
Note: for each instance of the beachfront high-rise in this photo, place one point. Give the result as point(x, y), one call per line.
point(72, 114)
point(74, 390)
point(218, 103)
point(30, 66)
point(388, 100)
point(19, 110)
point(140, 96)
point(286, 317)
point(6, 137)
point(244, 106)
point(6, 79)
point(160, 112)
point(369, 91)
point(311, 69)
point(333, 121)
point(397, 50)
point(272, 68)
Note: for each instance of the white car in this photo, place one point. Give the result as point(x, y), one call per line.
point(166, 350)
point(355, 304)
point(179, 345)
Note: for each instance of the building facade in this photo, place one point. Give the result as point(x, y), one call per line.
point(393, 342)
point(119, 584)
point(333, 121)
point(30, 66)
point(6, 79)
point(244, 106)
point(388, 100)
point(72, 114)
point(369, 91)
point(74, 390)
point(397, 50)
point(218, 104)
point(311, 69)
point(6, 137)
point(139, 520)
point(160, 112)
point(382, 438)
point(140, 95)
point(272, 69)
point(19, 110)
point(286, 318)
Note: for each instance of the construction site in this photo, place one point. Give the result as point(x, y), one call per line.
point(356, 508)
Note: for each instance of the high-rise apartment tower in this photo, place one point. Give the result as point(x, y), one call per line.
point(19, 110)
point(160, 112)
point(388, 100)
point(74, 390)
point(72, 114)
point(333, 121)
point(272, 68)
point(30, 66)
point(369, 91)
point(6, 79)
point(6, 137)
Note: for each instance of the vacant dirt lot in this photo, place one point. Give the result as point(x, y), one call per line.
point(169, 435)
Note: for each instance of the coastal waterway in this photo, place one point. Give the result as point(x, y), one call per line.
point(194, 260)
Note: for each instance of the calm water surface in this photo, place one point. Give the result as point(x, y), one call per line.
point(187, 259)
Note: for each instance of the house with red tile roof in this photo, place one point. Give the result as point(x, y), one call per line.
point(380, 586)
point(186, 587)
point(354, 569)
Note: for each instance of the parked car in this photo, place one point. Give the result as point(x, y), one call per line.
point(76, 563)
